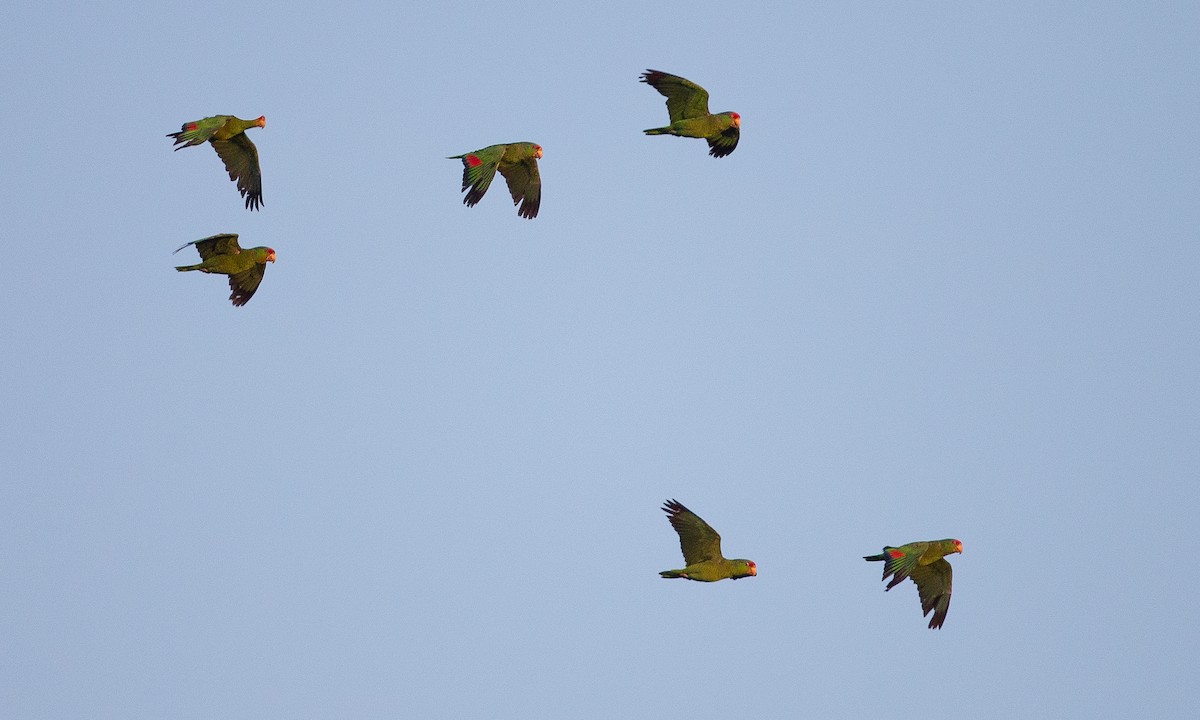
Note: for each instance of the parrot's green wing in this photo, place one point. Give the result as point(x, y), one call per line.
point(243, 284)
point(697, 539)
point(899, 562)
point(223, 244)
point(479, 168)
point(685, 99)
point(241, 161)
point(933, 583)
point(524, 184)
point(724, 143)
point(198, 132)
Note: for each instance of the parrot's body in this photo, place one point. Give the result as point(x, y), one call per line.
point(687, 105)
point(220, 254)
point(701, 547)
point(517, 162)
point(925, 563)
point(227, 135)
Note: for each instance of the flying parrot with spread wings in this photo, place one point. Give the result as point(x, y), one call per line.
point(701, 547)
point(227, 135)
point(687, 104)
point(925, 563)
point(517, 162)
point(221, 254)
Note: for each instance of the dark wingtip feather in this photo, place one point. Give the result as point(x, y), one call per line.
point(654, 77)
point(938, 619)
point(528, 210)
point(673, 507)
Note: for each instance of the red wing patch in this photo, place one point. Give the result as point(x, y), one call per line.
point(190, 126)
point(895, 553)
point(473, 160)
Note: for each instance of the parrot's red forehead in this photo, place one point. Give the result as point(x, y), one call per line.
point(261, 121)
point(735, 116)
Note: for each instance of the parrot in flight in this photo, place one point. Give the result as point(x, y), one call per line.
point(687, 104)
point(227, 134)
point(517, 162)
point(701, 547)
point(925, 563)
point(221, 254)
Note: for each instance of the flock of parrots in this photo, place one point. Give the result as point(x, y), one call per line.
point(687, 105)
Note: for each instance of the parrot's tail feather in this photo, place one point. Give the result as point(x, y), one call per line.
point(875, 558)
point(184, 268)
point(671, 573)
point(658, 131)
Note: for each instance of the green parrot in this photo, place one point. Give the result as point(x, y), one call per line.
point(687, 104)
point(228, 137)
point(701, 547)
point(517, 162)
point(924, 562)
point(221, 254)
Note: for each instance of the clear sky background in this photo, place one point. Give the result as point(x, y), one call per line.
point(945, 287)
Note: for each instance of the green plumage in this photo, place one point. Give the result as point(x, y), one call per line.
point(701, 547)
point(221, 254)
point(517, 162)
point(687, 105)
point(227, 135)
point(924, 562)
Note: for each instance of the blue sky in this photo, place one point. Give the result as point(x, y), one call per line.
point(946, 287)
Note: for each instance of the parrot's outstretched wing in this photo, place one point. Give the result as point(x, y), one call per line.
point(697, 539)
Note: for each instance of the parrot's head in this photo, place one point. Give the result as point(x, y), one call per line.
point(958, 546)
point(270, 255)
point(537, 151)
point(737, 119)
point(747, 569)
point(261, 121)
